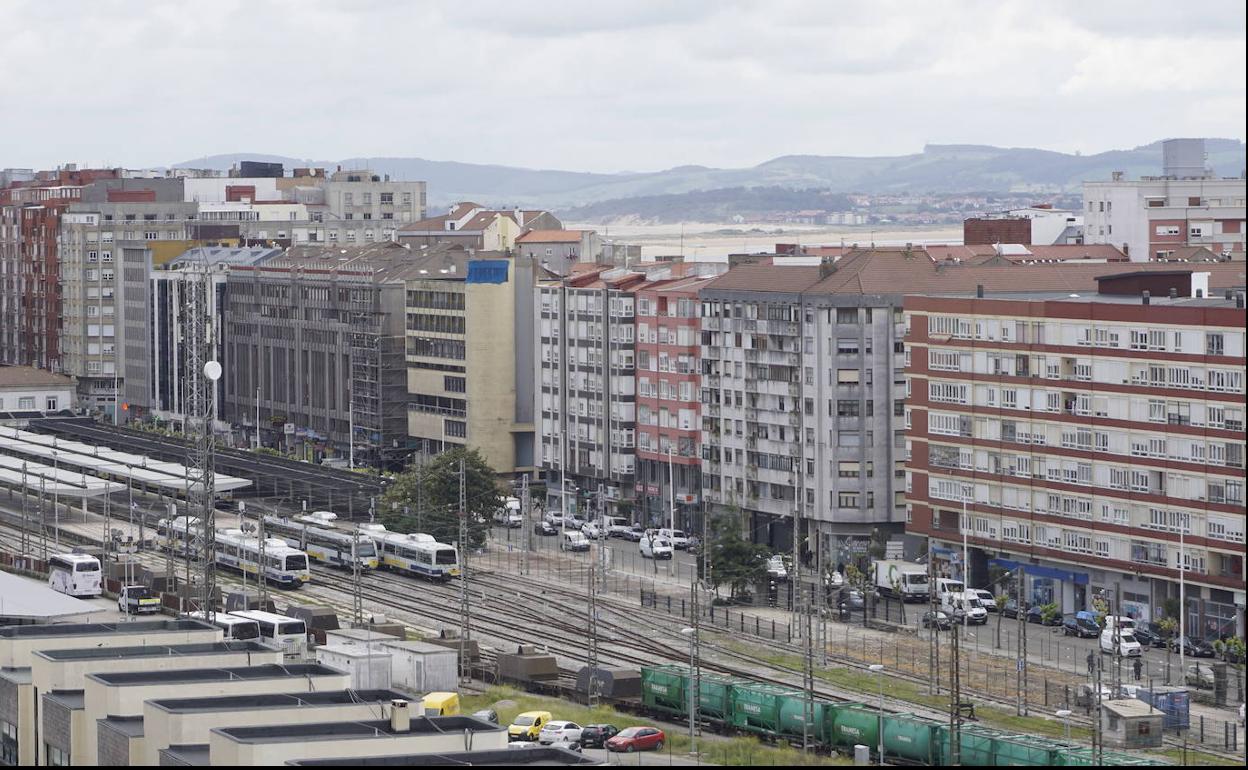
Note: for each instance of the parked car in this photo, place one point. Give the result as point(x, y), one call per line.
point(616, 526)
point(1200, 675)
point(575, 521)
point(137, 600)
point(544, 527)
point(852, 600)
point(985, 598)
point(1080, 624)
point(559, 731)
point(776, 569)
point(677, 537)
point(1121, 642)
point(1010, 610)
point(527, 726)
point(632, 739)
point(635, 533)
point(938, 619)
point(1147, 637)
point(573, 540)
point(489, 715)
point(836, 580)
point(1036, 615)
point(593, 530)
point(1161, 637)
point(1192, 647)
point(596, 736)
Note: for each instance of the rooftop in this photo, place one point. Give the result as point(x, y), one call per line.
point(274, 701)
point(151, 651)
point(130, 726)
point(30, 377)
point(1131, 707)
point(377, 728)
point(240, 673)
point(25, 599)
point(248, 255)
point(97, 629)
point(510, 757)
point(551, 236)
point(70, 699)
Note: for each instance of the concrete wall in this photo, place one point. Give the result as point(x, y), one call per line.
point(10, 398)
point(17, 707)
point(162, 729)
point(102, 700)
point(491, 377)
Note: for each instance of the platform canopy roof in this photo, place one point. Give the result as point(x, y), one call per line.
point(104, 462)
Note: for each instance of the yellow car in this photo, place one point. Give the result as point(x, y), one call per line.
point(528, 726)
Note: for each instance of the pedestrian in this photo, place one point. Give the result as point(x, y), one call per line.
point(1138, 667)
point(1091, 663)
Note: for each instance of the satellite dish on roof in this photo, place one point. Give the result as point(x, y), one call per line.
point(212, 370)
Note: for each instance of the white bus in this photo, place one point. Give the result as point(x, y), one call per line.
point(76, 574)
point(415, 554)
point(234, 629)
point(321, 542)
point(290, 635)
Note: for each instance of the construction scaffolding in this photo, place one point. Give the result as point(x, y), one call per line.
point(378, 378)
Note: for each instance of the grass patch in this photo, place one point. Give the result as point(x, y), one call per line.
point(714, 749)
point(1194, 758)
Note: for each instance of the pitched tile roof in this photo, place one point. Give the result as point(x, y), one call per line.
point(551, 236)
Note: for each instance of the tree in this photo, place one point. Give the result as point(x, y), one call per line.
point(1168, 625)
point(1001, 599)
point(426, 498)
point(734, 561)
point(1049, 613)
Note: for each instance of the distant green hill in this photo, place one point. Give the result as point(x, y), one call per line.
point(938, 168)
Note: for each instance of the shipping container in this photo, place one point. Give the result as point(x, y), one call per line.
point(1028, 751)
point(756, 707)
point(663, 689)
point(715, 693)
point(912, 738)
point(369, 669)
point(1174, 702)
point(978, 746)
point(793, 717)
point(855, 724)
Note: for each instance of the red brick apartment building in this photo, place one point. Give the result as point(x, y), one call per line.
point(1096, 438)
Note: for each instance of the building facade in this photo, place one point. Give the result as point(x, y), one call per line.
point(319, 336)
point(558, 250)
point(1096, 440)
point(586, 389)
point(469, 348)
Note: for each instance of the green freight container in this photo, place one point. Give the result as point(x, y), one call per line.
point(827, 728)
point(913, 738)
point(715, 697)
point(1118, 759)
point(793, 714)
point(1028, 751)
point(663, 690)
point(756, 707)
point(856, 724)
point(979, 746)
point(1081, 757)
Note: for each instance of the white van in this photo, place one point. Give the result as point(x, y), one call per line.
point(676, 537)
point(616, 526)
point(1126, 643)
point(654, 547)
point(1127, 624)
point(573, 540)
point(959, 604)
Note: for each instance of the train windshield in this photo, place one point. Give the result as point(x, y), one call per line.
point(298, 561)
point(446, 556)
point(365, 550)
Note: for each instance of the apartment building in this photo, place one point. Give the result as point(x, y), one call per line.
point(469, 352)
point(361, 194)
point(31, 206)
point(586, 387)
point(1094, 438)
point(669, 396)
point(154, 319)
point(319, 336)
point(473, 226)
point(558, 250)
point(1153, 217)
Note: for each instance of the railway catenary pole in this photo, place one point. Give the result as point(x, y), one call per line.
point(25, 524)
point(357, 598)
point(808, 671)
point(591, 633)
point(955, 700)
point(43, 521)
point(526, 529)
point(465, 670)
point(1022, 641)
point(262, 582)
point(933, 644)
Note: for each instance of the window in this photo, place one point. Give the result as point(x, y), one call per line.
point(387, 198)
point(455, 384)
point(847, 376)
point(8, 743)
point(51, 403)
point(56, 757)
point(1214, 345)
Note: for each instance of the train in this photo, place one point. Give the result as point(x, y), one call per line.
point(413, 554)
point(239, 551)
point(316, 536)
point(776, 713)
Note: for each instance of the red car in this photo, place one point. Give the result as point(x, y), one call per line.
point(632, 739)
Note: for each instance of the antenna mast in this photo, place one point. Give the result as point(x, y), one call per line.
point(203, 372)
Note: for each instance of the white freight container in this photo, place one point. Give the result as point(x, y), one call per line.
point(422, 668)
point(369, 669)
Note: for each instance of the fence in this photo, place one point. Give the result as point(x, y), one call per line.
point(720, 617)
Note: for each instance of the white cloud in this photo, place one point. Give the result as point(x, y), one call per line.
point(607, 86)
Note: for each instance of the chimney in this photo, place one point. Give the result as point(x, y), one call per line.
point(1146, 296)
point(1118, 175)
point(400, 717)
point(826, 267)
point(979, 290)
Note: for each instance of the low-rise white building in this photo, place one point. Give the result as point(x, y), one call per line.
point(27, 389)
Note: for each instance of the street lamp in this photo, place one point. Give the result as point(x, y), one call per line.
point(1064, 715)
point(692, 633)
point(878, 668)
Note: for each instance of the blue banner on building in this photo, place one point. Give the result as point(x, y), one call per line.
point(1036, 571)
point(487, 271)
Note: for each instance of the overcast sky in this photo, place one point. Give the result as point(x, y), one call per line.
point(607, 86)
